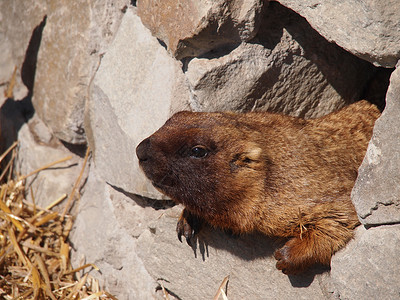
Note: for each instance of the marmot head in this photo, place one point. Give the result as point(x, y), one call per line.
point(206, 161)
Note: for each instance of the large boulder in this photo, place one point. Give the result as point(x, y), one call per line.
point(376, 194)
point(367, 268)
point(74, 38)
point(369, 29)
point(99, 238)
point(288, 67)
point(136, 89)
point(196, 273)
point(191, 28)
point(38, 148)
point(21, 23)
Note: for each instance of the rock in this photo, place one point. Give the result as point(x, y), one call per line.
point(75, 35)
point(19, 22)
point(137, 87)
point(37, 148)
point(192, 28)
point(367, 268)
point(369, 29)
point(99, 238)
point(287, 68)
point(197, 274)
point(376, 194)
point(18, 91)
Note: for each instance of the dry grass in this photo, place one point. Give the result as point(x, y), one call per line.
point(221, 292)
point(34, 249)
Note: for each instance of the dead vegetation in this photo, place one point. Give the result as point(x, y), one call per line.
point(34, 249)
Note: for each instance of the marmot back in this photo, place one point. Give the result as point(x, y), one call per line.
point(280, 175)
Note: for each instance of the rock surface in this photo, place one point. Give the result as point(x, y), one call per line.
point(150, 86)
point(287, 68)
point(369, 29)
point(191, 28)
point(247, 260)
point(376, 193)
point(18, 21)
point(66, 65)
point(37, 148)
point(100, 240)
point(368, 267)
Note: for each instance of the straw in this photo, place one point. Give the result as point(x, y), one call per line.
point(35, 250)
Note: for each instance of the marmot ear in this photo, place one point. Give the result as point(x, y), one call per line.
point(252, 152)
point(249, 157)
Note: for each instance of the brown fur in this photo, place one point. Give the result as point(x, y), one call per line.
point(279, 175)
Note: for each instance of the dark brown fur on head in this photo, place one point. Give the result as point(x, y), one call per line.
point(276, 174)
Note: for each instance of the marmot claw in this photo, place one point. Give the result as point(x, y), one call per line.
point(188, 226)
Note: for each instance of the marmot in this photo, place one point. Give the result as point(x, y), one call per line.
point(258, 171)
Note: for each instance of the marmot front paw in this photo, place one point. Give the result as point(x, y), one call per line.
point(188, 225)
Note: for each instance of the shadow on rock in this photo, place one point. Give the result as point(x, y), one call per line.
point(13, 114)
point(248, 247)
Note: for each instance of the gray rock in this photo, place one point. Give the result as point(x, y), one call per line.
point(18, 21)
point(75, 35)
point(287, 68)
point(37, 148)
point(197, 274)
point(99, 238)
point(369, 29)
point(191, 28)
point(137, 87)
point(376, 194)
point(368, 267)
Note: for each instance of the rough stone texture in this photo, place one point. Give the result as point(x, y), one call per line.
point(376, 195)
point(287, 68)
point(191, 28)
point(135, 90)
point(66, 65)
point(197, 274)
point(101, 240)
point(18, 20)
point(369, 29)
point(20, 91)
point(368, 268)
point(37, 148)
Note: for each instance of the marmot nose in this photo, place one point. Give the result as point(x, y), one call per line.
point(142, 150)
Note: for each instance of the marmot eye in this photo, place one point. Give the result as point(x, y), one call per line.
point(198, 151)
